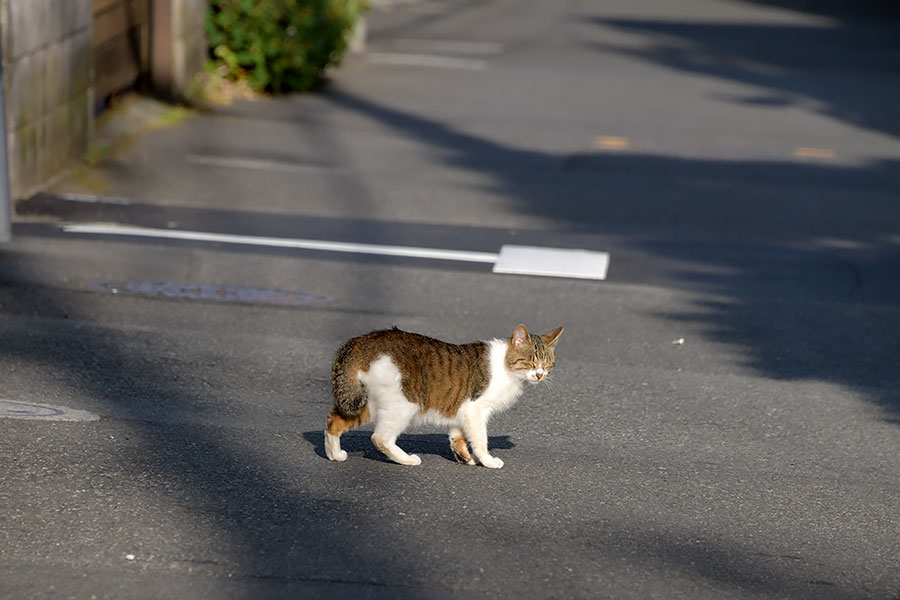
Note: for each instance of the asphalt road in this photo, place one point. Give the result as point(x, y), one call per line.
point(724, 417)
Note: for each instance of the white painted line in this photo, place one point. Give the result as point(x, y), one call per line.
point(236, 162)
point(224, 238)
point(425, 60)
point(96, 199)
point(552, 262)
point(520, 260)
point(451, 46)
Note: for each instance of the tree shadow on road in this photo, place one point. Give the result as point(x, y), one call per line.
point(785, 64)
point(838, 9)
point(269, 528)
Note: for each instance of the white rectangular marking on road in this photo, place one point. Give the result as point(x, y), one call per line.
point(552, 262)
point(519, 260)
point(425, 60)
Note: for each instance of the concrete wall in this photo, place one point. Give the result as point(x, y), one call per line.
point(179, 45)
point(47, 79)
point(189, 47)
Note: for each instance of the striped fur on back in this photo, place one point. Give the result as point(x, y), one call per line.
point(436, 375)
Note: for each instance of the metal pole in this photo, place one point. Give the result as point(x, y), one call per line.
point(5, 206)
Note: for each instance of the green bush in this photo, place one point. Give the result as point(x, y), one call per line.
point(280, 45)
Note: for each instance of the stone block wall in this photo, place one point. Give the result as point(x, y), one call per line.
point(47, 78)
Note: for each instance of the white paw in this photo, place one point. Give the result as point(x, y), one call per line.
point(333, 448)
point(492, 462)
point(410, 459)
point(340, 455)
point(413, 460)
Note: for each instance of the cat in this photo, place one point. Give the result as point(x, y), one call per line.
point(393, 377)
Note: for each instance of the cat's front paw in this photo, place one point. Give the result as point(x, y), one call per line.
point(492, 462)
point(411, 460)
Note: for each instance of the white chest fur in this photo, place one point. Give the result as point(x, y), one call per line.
point(505, 386)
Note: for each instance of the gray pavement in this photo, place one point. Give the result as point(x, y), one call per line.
point(723, 419)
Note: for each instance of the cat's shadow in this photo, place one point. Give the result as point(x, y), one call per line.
point(428, 443)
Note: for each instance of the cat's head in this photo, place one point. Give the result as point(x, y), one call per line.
point(531, 356)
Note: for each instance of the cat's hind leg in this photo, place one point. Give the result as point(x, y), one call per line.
point(391, 409)
point(391, 424)
point(335, 425)
point(460, 447)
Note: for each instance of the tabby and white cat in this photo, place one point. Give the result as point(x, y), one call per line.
point(393, 377)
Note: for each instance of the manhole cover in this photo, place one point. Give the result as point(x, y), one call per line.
point(220, 292)
point(14, 409)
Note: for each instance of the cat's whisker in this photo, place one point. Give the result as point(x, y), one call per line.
point(550, 387)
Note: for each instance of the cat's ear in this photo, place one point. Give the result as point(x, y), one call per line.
point(520, 336)
point(550, 338)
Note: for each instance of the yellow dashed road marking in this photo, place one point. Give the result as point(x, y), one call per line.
point(615, 142)
point(611, 142)
point(806, 152)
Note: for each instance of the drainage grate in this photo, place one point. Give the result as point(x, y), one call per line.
point(217, 292)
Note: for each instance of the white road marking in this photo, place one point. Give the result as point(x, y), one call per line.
point(34, 411)
point(90, 199)
point(451, 46)
point(552, 262)
point(425, 60)
point(252, 240)
point(512, 259)
point(256, 164)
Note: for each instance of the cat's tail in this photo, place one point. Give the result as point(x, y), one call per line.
point(351, 403)
point(350, 396)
